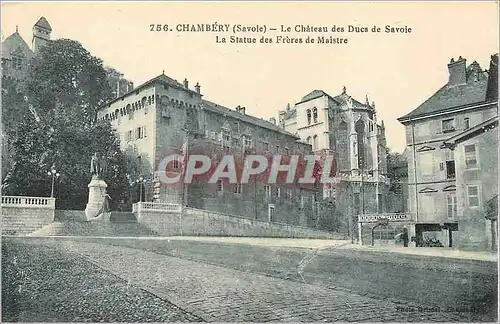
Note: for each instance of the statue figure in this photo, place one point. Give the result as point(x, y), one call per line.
point(95, 166)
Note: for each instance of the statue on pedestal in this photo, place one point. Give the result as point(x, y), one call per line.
point(98, 166)
point(97, 188)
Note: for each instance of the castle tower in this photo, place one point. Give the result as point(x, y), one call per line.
point(41, 34)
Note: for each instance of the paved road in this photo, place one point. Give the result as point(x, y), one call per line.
point(41, 284)
point(213, 293)
point(426, 281)
point(251, 285)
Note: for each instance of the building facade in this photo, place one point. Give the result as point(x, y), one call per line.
point(476, 164)
point(464, 102)
point(348, 130)
point(164, 116)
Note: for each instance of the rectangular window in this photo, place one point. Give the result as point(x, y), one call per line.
point(452, 206)
point(138, 132)
point(220, 186)
point(267, 190)
point(470, 156)
point(302, 201)
point(466, 123)
point(272, 213)
point(213, 135)
point(129, 136)
point(176, 164)
point(287, 151)
point(237, 188)
point(226, 139)
point(473, 196)
point(450, 169)
point(288, 193)
point(448, 125)
point(278, 192)
point(144, 134)
point(277, 149)
point(266, 146)
point(247, 142)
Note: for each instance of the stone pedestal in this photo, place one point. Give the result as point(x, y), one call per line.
point(97, 194)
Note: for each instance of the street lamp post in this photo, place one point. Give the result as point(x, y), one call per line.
point(53, 172)
point(141, 182)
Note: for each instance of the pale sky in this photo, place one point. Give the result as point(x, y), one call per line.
point(397, 71)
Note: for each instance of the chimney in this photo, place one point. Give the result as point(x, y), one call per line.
point(238, 108)
point(242, 110)
point(272, 120)
point(197, 88)
point(186, 84)
point(457, 72)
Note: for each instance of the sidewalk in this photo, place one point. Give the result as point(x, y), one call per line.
point(346, 244)
point(428, 251)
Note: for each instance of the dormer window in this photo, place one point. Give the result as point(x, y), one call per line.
point(448, 125)
point(466, 123)
point(315, 115)
point(308, 116)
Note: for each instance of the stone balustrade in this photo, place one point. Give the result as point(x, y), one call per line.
point(24, 201)
point(159, 207)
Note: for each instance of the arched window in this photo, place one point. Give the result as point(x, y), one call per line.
point(308, 112)
point(315, 115)
point(315, 142)
point(308, 140)
point(466, 123)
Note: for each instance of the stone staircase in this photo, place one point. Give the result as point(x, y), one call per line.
point(122, 217)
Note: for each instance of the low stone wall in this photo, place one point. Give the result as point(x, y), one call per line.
point(23, 215)
point(197, 222)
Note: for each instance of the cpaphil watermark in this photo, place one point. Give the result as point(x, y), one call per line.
point(271, 169)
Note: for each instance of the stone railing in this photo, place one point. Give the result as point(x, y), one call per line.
point(27, 202)
point(160, 207)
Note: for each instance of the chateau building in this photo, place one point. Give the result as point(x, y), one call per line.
point(452, 160)
point(348, 130)
point(163, 116)
point(16, 53)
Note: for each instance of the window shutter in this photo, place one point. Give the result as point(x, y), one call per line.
point(441, 166)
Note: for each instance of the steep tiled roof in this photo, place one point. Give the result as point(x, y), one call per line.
point(243, 117)
point(42, 22)
point(162, 78)
point(448, 97)
point(13, 43)
point(313, 95)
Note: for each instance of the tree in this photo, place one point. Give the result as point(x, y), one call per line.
point(65, 86)
point(66, 82)
point(397, 169)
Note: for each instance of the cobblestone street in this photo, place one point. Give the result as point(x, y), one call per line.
point(189, 290)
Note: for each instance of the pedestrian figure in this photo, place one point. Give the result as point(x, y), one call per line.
point(405, 237)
